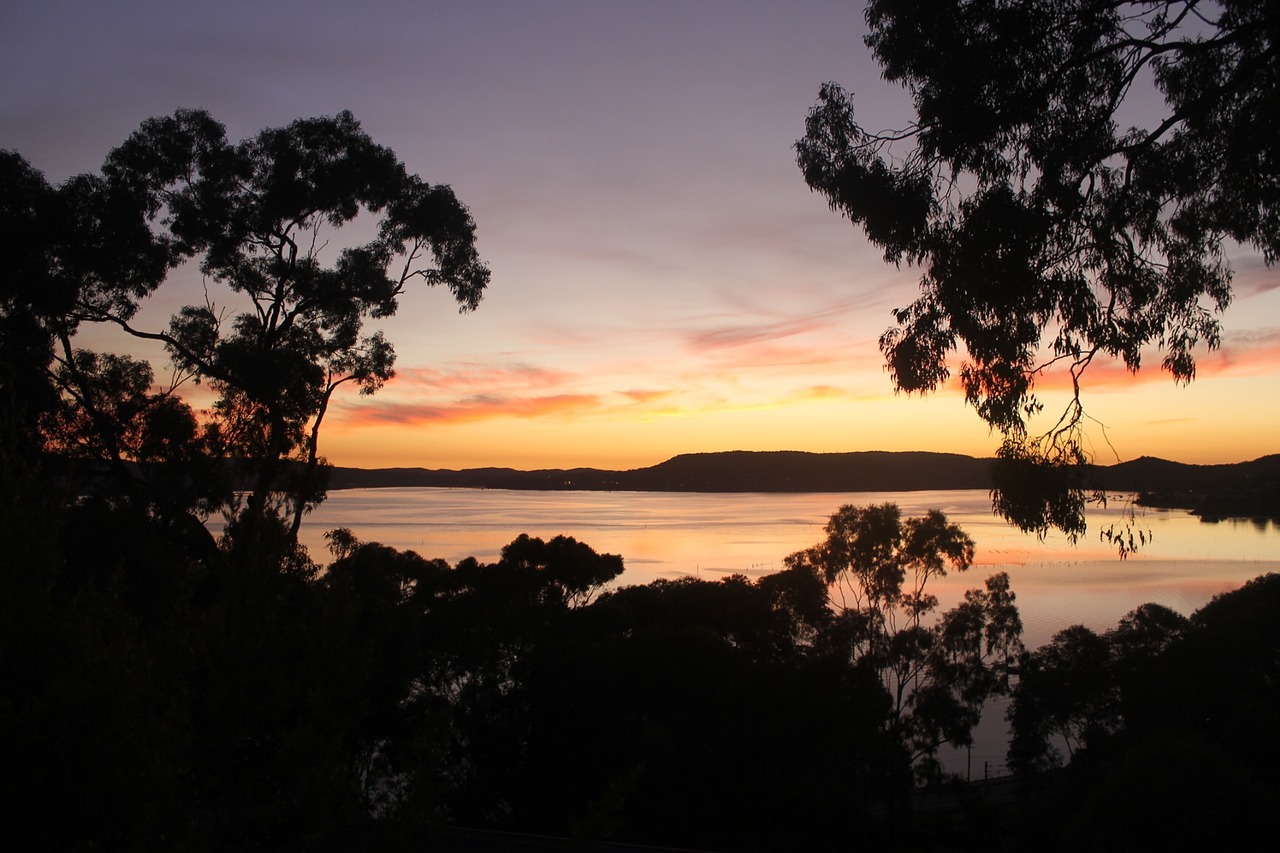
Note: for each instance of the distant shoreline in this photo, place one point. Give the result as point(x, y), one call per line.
point(1238, 490)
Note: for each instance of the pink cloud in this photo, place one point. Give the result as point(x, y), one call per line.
point(480, 407)
point(841, 357)
point(479, 377)
point(645, 396)
point(736, 336)
point(821, 392)
point(1252, 277)
point(1245, 354)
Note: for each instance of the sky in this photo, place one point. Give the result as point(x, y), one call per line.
point(663, 281)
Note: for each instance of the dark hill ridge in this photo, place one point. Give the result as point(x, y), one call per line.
point(795, 471)
point(1240, 489)
point(1236, 490)
point(731, 471)
point(1150, 473)
point(1213, 492)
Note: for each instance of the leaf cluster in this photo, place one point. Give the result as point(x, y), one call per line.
point(939, 669)
point(1051, 218)
point(255, 219)
point(1155, 732)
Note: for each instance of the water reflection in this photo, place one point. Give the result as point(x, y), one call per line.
point(671, 534)
point(663, 534)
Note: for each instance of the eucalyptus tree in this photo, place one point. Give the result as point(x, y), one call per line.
point(1069, 187)
point(281, 325)
point(938, 669)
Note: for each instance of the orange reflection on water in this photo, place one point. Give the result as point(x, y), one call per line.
point(710, 535)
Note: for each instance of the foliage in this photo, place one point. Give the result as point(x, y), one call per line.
point(31, 291)
point(939, 669)
point(366, 705)
point(1078, 690)
point(563, 570)
point(1053, 219)
point(1166, 720)
point(255, 219)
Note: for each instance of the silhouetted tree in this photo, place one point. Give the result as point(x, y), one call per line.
point(33, 293)
point(1082, 689)
point(154, 703)
point(939, 669)
point(678, 712)
point(257, 702)
point(671, 734)
point(1065, 694)
point(1050, 230)
point(563, 571)
point(256, 218)
point(1166, 721)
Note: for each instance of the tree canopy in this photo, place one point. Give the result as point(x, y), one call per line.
point(1054, 218)
point(938, 669)
point(281, 325)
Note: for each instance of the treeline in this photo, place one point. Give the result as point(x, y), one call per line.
point(254, 701)
point(1159, 734)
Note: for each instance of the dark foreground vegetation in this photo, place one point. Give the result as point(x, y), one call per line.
point(154, 701)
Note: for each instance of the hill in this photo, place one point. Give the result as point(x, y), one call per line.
point(1215, 491)
point(732, 471)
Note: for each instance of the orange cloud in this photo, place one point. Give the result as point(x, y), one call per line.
point(1241, 354)
point(645, 396)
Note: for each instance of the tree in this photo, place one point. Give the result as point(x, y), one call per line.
point(1137, 707)
point(257, 218)
point(938, 669)
point(563, 571)
point(1066, 692)
point(1049, 229)
point(30, 292)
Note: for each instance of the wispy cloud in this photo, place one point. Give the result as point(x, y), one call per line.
point(478, 377)
point(1241, 354)
point(821, 392)
point(1252, 277)
point(481, 407)
point(753, 333)
point(645, 396)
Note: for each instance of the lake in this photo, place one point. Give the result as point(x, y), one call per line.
point(710, 535)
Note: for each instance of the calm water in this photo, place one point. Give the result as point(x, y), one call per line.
point(674, 534)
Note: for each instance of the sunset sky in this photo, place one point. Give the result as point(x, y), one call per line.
point(663, 280)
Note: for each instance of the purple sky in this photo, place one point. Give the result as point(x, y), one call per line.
point(663, 280)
